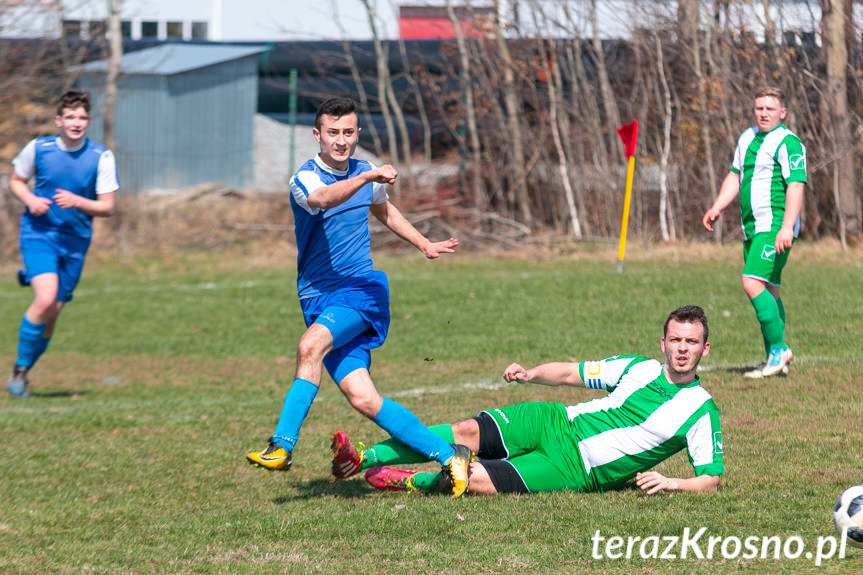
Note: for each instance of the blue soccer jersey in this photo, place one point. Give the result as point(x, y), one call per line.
point(87, 171)
point(332, 244)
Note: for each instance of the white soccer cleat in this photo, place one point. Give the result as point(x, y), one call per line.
point(777, 362)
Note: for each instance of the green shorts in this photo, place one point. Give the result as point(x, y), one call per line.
point(541, 446)
point(761, 260)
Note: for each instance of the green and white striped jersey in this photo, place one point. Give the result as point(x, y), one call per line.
point(642, 421)
point(767, 163)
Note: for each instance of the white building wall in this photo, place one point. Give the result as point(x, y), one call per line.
point(264, 20)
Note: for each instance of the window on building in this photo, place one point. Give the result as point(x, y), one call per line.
point(199, 31)
point(71, 28)
point(174, 30)
point(97, 28)
point(149, 29)
point(809, 39)
point(126, 29)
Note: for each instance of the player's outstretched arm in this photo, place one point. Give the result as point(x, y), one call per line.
point(654, 482)
point(727, 192)
point(392, 218)
point(553, 373)
point(330, 196)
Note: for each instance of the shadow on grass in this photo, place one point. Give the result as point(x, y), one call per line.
point(325, 488)
point(57, 394)
point(741, 371)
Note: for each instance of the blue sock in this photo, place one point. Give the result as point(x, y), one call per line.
point(40, 348)
point(31, 344)
point(403, 425)
point(297, 403)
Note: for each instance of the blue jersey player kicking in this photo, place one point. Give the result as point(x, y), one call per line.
point(75, 180)
point(345, 301)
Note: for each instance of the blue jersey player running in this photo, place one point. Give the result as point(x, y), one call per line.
point(345, 301)
point(75, 180)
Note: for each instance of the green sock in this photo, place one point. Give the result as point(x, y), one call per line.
point(781, 315)
point(772, 326)
point(427, 482)
point(392, 451)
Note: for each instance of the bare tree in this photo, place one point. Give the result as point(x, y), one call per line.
point(347, 47)
point(364, 97)
point(667, 231)
point(518, 189)
point(478, 191)
point(115, 56)
point(703, 105)
point(553, 105)
point(833, 33)
point(383, 80)
point(609, 102)
point(418, 98)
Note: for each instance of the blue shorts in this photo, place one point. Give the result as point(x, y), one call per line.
point(52, 252)
point(358, 316)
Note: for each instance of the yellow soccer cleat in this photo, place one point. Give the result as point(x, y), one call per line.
point(273, 458)
point(456, 470)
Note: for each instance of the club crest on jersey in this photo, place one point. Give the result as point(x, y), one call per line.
point(797, 162)
point(717, 442)
point(768, 253)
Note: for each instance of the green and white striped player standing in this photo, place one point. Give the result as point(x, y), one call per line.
point(768, 173)
point(653, 410)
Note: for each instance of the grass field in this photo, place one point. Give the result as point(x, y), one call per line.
point(129, 457)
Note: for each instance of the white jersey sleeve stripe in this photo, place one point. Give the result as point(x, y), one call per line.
point(303, 184)
point(106, 179)
point(699, 440)
point(742, 145)
point(379, 193)
point(24, 163)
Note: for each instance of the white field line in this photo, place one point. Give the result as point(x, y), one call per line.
point(154, 287)
point(329, 393)
point(437, 390)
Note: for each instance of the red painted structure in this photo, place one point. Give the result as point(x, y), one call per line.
point(433, 22)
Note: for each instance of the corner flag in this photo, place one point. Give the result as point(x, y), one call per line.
point(629, 135)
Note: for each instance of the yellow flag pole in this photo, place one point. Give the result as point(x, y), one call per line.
point(630, 171)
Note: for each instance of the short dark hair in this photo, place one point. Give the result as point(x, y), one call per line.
point(335, 107)
point(73, 99)
point(687, 314)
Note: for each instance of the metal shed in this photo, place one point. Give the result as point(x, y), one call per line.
point(184, 115)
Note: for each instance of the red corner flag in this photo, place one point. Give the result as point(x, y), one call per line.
point(629, 135)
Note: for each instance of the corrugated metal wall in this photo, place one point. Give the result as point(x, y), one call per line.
point(184, 129)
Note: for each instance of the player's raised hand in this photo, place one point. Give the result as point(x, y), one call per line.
point(38, 205)
point(66, 199)
point(385, 174)
point(515, 372)
point(435, 249)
